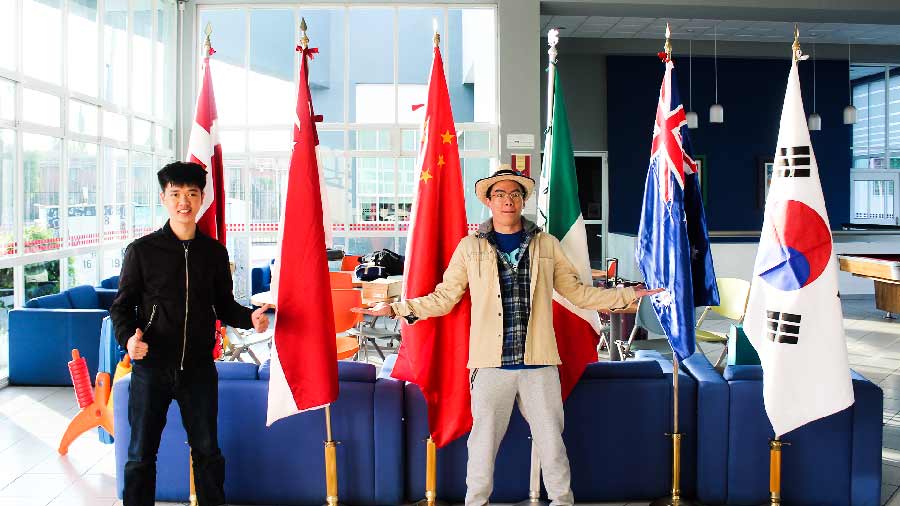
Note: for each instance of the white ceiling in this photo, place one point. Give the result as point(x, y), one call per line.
point(703, 29)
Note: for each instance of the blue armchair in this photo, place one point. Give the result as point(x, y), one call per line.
point(834, 461)
point(260, 279)
point(43, 334)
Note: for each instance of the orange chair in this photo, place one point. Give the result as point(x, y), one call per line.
point(342, 301)
point(341, 280)
point(349, 262)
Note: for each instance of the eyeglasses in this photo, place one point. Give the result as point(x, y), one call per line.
point(515, 196)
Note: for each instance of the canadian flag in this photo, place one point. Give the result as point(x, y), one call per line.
point(204, 148)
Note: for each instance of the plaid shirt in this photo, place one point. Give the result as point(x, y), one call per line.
point(515, 291)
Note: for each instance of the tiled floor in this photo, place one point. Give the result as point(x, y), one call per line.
point(32, 420)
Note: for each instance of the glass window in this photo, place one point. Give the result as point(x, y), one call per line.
point(160, 214)
point(267, 191)
point(473, 170)
point(41, 36)
point(144, 194)
point(270, 140)
point(227, 66)
point(115, 187)
point(41, 108)
point(165, 83)
point(326, 71)
point(142, 132)
point(83, 270)
point(141, 56)
point(41, 278)
point(416, 32)
point(81, 224)
point(371, 140)
point(82, 46)
point(236, 205)
point(112, 263)
point(7, 100)
point(474, 140)
point(471, 65)
point(83, 117)
point(165, 139)
point(115, 51)
point(7, 193)
point(8, 42)
point(372, 28)
point(115, 126)
point(42, 169)
point(233, 141)
point(271, 78)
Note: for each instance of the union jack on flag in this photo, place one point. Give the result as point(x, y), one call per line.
point(670, 148)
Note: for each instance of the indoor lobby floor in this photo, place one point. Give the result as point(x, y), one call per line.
point(32, 420)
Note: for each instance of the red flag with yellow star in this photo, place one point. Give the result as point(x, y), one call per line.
point(434, 352)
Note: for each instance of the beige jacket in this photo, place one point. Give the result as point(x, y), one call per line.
point(474, 266)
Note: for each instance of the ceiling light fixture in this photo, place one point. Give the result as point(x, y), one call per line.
point(814, 122)
point(849, 111)
point(716, 111)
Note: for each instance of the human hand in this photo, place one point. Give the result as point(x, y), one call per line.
point(260, 319)
point(137, 348)
point(641, 291)
point(380, 309)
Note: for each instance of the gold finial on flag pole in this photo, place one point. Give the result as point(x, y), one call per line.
point(796, 52)
point(304, 40)
point(437, 36)
point(552, 41)
point(208, 44)
point(668, 45)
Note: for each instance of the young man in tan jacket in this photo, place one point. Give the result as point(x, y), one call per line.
point(511, 269)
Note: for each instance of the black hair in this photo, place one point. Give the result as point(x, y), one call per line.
point(182, 174)
point(488, 193)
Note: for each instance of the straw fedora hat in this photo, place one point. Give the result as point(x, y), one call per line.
point(503, 173)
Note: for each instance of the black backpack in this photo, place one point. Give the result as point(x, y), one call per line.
point(392, 262)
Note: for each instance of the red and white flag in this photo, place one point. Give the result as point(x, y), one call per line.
point(204, 148)
point(303, 372)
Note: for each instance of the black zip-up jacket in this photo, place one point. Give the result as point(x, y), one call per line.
point(175, 293)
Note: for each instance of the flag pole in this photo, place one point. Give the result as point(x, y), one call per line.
point(776, 444)
point(675, 499)
point(430, 448)
point(534, 479)
point(192, 497)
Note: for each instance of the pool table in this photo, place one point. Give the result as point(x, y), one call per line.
point(884, 270)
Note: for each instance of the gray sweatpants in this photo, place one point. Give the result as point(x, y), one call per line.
point(538, 393)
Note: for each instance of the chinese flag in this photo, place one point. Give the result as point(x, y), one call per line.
point(434, 352)
point(303, 372)
point(204, 148)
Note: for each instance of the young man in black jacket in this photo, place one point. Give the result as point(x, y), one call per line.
point(175, 283)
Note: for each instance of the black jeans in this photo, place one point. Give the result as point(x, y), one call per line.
point(152, 390)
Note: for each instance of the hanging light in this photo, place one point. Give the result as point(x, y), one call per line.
point(716, 111)
point(814, 122)
point(849, 111)
point(691, 116)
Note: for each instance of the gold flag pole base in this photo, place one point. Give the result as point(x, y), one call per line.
point(534, 481)
point(192, 499)
point(430, 476)
point(331, 481)
point(775, 446)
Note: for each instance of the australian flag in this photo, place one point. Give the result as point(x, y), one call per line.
point(673, 244)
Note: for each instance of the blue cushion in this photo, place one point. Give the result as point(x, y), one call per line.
point(55, 301)
point(236, 371)
point(626, 369)
point(347, 371)
point(110, 282)
point(83, 297)
point(743, 372)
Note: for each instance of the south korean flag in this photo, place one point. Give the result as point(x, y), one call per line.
point(794, 317)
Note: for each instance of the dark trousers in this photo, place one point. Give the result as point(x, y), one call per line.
point(152, 390)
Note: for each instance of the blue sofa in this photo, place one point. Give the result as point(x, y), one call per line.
point(111, 282)
point(284, 464)
point(44, 332)
point(616, 420)
point(835, 461)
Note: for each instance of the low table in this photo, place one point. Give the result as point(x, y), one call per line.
point(884, 270)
